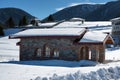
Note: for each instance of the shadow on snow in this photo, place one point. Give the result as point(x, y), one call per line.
point(55, 63)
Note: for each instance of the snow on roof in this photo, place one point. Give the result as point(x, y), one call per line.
point(76, 19)
point(30, 25)
point(47, 24)
point(78, 24)
point(93, 36)
point(50, 32)
point(43, 25)
point(68, 24)
point(114, 19)
point(104, 30)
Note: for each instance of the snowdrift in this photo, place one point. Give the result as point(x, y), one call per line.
point(101, 74)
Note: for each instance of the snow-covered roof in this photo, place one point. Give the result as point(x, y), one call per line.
point(78, 24)
point(77, 19)
point(42, 25)
point(49, 32)
point(93, 36)
point(68, 24)
point(47, 24)
point(114, 19)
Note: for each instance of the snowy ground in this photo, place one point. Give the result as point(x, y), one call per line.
point(12, 69)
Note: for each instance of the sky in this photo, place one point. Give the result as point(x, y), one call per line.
point(43, 8)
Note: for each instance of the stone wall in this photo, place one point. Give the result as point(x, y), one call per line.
point(67, 50)
point(92, 52)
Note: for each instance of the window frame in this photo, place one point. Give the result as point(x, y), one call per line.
point(39, 52)
point(56, 53)
point(47, 51)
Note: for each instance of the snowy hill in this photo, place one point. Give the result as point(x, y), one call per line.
point(15, 13)
point(106, 12)
point(75, 11)
point(13, 69)
point(90, 12)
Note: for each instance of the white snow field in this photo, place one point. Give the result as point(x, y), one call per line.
point(13, 69)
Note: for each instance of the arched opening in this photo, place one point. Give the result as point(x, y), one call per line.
point(38, 52)
point(56, 53)
point(82, 52)
point(47, 51)
point(86, 53)
point(90, 54)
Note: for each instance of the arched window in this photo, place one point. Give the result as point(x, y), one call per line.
point(90, 54)
point(38, 52)
point(56, 53)
point(85, 53)
point(47, 51)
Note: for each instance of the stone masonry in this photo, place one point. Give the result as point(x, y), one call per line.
point(67, 49)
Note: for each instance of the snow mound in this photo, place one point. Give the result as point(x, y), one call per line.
point(101, 74)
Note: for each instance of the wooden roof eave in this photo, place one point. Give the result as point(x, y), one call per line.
point(24, 37)
point(89, 43)
point(97, 43)
point(108, 37)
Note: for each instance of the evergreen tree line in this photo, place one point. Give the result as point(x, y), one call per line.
point(50, 19)
point(11, 24)
point(1, 30)
point(24, 21)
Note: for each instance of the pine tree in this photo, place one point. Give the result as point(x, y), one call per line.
point(20, 23)
point(1, 31)
point(23, 21)
point(10, 23)
point(50, 18)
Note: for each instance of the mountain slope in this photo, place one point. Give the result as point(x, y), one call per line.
point(15, 13)
point(75, 11)
point(105, 12)
point(90, 12)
